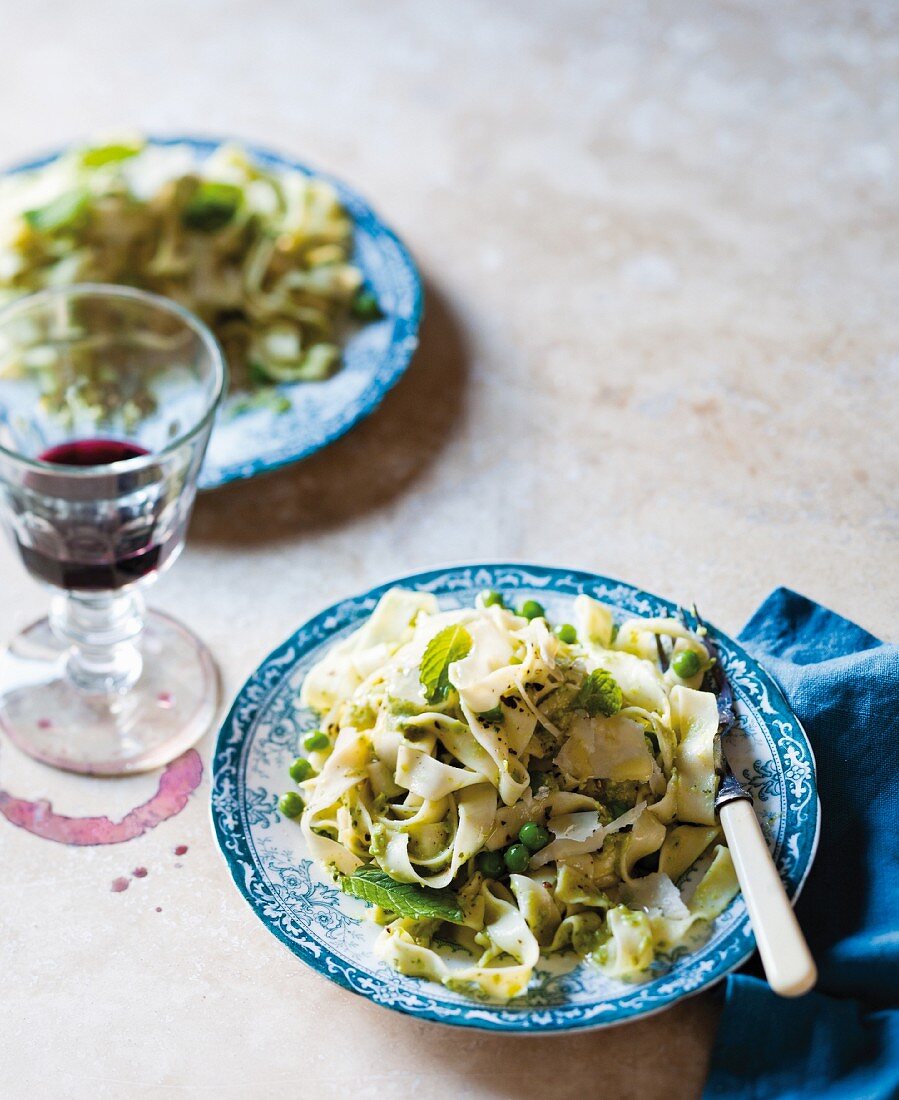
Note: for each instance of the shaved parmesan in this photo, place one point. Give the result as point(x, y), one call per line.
point(574, 826)
point(576, 755)
point(606, 748)
point(620, 750)
point(655, 893)
point(564, 848)
point(626, 819)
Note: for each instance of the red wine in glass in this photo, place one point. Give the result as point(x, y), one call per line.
point(100, 685)
point(91, 452)
point(116, 549)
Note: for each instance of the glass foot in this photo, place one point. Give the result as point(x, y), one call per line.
point(168, 708)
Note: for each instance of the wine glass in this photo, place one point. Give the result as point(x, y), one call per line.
point(107, 398)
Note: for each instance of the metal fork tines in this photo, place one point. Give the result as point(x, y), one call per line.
point(729, 787)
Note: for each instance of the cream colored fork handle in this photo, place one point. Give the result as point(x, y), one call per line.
point(789, 966)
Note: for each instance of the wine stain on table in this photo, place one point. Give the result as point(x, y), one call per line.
point(178, 781)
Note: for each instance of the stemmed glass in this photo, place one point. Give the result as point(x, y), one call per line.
point(107, 398)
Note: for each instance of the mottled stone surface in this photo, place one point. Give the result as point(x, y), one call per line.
point(661, 247)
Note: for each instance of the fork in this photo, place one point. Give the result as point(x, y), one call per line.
point(789, 966)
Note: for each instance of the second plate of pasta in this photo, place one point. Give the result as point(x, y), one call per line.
point(484, 796)
point(313, 298)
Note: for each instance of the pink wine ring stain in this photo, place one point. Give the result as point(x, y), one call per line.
point(139, 872)
point(178, 781)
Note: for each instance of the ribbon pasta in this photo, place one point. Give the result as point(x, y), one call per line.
point(431, 788)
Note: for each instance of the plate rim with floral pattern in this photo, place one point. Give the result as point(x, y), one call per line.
point(307, 915)
point(386, 265)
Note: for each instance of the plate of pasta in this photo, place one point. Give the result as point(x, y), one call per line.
point(314, 300)
point(485, 796)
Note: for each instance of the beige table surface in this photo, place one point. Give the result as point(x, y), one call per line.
point(662, 342)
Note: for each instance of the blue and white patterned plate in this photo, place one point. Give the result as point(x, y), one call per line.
point(373, 358)
point(299, 904)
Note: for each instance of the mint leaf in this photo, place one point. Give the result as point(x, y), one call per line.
point(109, 154)
point(599, 694)
point(451, 644)
point(406, 899)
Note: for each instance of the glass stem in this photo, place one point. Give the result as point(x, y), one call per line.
point(101, 631)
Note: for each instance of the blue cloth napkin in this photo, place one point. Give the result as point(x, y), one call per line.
point(841, 1040)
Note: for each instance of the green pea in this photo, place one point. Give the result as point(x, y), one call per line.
point(517, 858)
point(530, 609)
point(490, 597)
point(291, 804)
point(566, 633)
point(491, 864)
point(316, 741)
point(533, 835)
point(686, 664)
point(300, 769)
